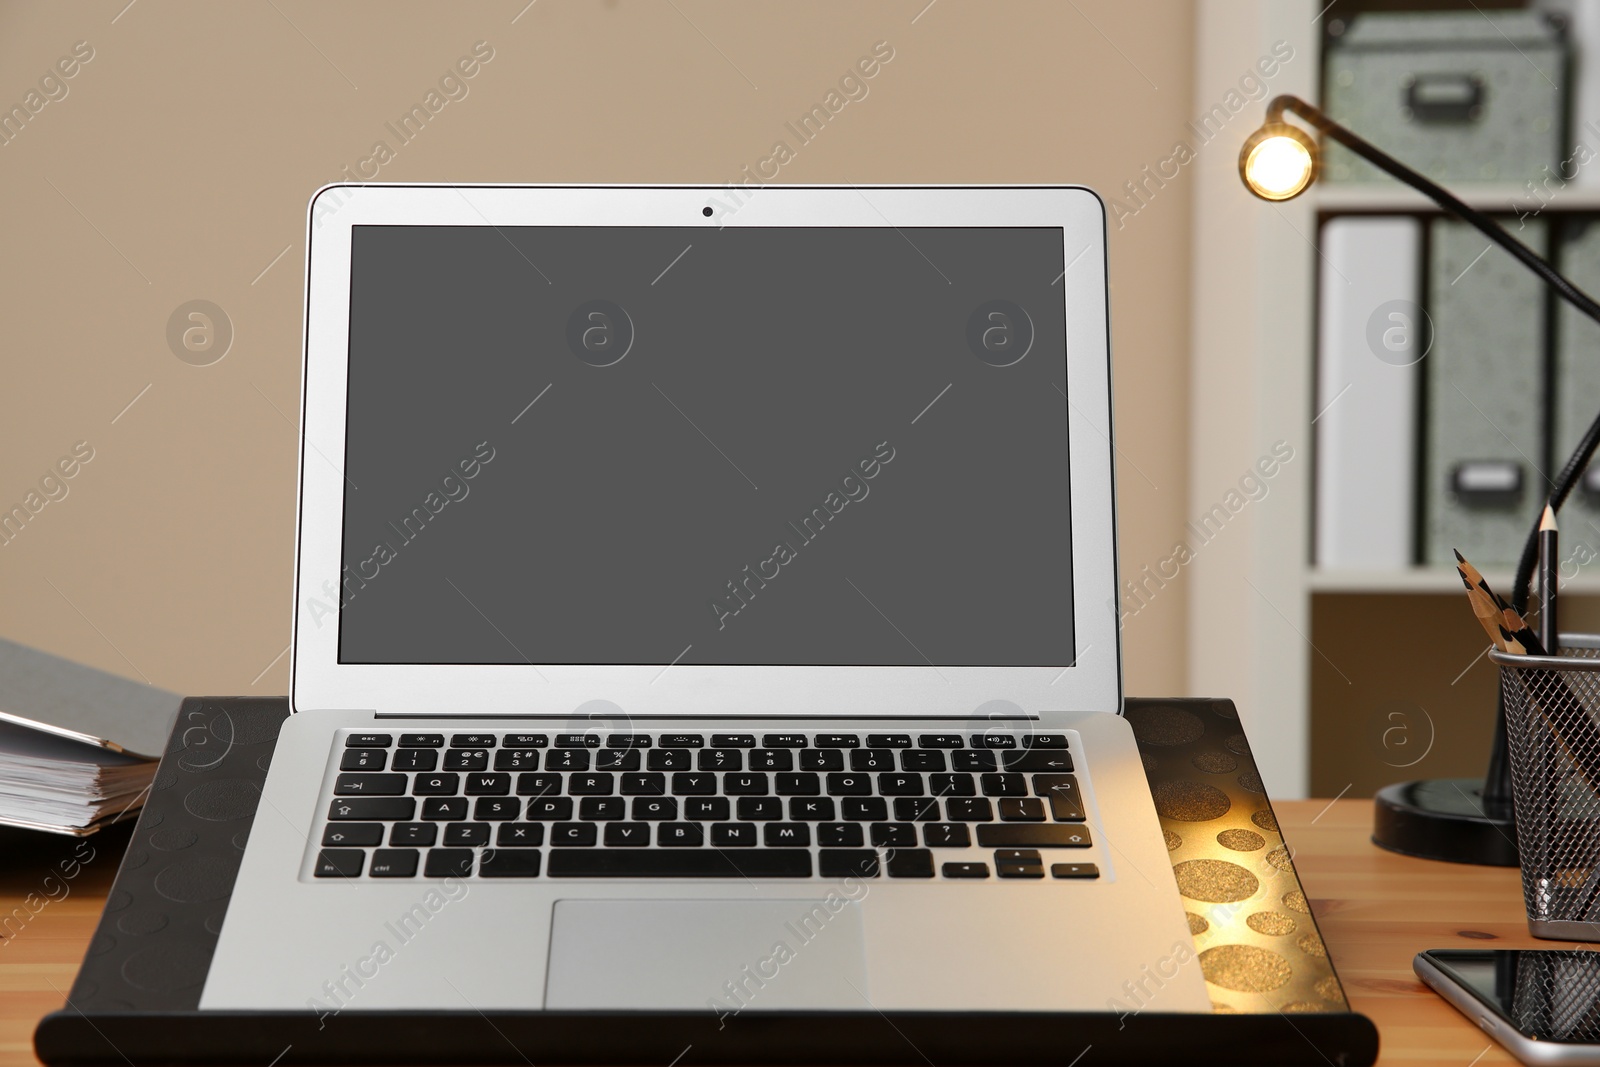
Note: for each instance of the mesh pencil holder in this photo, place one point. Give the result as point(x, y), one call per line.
point(1553, 728)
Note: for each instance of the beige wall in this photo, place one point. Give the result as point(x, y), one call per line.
point(178, 165)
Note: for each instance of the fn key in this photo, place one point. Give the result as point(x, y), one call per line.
point(340, 863)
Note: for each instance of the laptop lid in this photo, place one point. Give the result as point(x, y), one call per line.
point(789, 452)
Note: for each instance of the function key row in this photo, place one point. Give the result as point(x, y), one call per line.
point(707, 759)
point(990, 741)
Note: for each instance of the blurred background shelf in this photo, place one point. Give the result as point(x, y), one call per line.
point(1426, 580)
point(1499, 198)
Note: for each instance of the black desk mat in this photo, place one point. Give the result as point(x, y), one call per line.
point(1275, 994)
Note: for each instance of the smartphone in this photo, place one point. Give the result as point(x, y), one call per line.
point(1543, 1005)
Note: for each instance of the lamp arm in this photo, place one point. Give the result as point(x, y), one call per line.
point(1578, 462)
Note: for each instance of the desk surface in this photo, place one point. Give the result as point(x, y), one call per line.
point(1376, 910)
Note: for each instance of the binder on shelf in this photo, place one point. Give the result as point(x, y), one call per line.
point(1371, 336)
point(1484, 441)
point(1576, 391)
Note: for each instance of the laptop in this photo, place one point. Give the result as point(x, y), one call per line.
point(705, 602)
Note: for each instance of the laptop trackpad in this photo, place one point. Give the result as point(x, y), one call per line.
point(721, 955)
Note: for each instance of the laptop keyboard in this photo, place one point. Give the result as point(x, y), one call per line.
point(674, 805)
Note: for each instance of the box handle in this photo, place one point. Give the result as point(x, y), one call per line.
point(1444, 97)
point(1487, 483)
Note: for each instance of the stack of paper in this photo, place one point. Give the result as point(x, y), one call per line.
point(51, 783)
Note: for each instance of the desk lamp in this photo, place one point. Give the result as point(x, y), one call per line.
point(1459, 820)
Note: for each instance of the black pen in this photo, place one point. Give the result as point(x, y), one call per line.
point(1549, 579)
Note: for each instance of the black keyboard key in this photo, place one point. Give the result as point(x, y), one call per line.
point(1004, 785)
point(1019, 870)
point(509, 863)
point(444, 809)
point(760, 809)
point(548, 809)
point(1041, 759)
point(538, 785)
point(969, 809)
point(838, 741)
point(368, 741)
point(798, 784)
point(422, 740)
point(682, 741)
point(680, 835)
point(749, 784)
point(706, 809)
point(939, 741)
point(1074, 870)
point(720, 759)
point(501, 809)
point(848, 862)
point(490, 784)
point(1044, 741)
point(994, 740)
point(872, 759)
point(865, 809)
point(771, 759)
point(822, 759)
point(1024, 835)
point(566, 759)
point(574, 834)
point(680, 863)
point(516, 759)
point(621, 759)
point(340, 863)
point(849, 784)
point(916, 809)
point(1021, 809)
point(1061, 791)
point(840, 835)
point(971, 760)
point(592, 785)
point(472, 740)
point(910, 863)
point(900, 784)
point(436, 785)
point(783, 741)
point(894, 835)
point(966, 870)
point(628, 741)
point(599, 809)
point(918, 759)
point(952, 785)
point(413, 834)
point(668, 759)
point(687, 784)
point(464, 834)
point(733, 835)
point(655, 809)
point(888, 740)
point(527, 741)
point(519, 835)
point(350, 834)
point(369, 809)
point(363, 759)
point(415, 759)
point(369, 785)
point(448, 863)
point(628, 834)
point(812, 809)
point(733, 740)
point(1029, 856)
point(577, 740)
point(394, 863)
point(948, 835)
point(644, 784)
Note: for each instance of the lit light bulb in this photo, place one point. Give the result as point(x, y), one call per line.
point(1278, 162)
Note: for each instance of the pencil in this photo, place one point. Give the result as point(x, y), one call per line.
point(1504, 626)
point(1549, 580)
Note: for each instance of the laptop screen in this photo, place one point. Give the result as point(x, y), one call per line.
point(744, 446)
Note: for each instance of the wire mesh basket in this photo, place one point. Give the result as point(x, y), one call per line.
point(1552, 706)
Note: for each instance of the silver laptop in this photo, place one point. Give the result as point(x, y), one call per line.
point(705, 601)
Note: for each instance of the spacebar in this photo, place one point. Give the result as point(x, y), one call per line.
point(679, 863)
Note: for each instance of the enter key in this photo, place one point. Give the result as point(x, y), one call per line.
point(1061, 790)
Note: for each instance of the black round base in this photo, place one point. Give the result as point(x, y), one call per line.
point(1444, 819)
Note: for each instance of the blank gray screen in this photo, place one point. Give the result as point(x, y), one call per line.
point(648, 445)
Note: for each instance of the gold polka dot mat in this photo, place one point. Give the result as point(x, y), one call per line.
point(1256, 941)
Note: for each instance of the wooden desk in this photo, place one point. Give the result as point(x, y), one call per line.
point(1376, 911)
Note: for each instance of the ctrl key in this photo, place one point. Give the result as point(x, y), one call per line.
point(340, 863)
